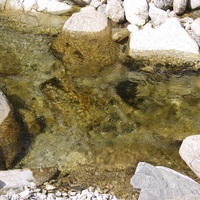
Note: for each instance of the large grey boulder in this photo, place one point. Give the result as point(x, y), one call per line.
point(190, 152)
point(169, 36)
point(85, 32)
point(159, 182)
point(15, 180)
point(136, 11)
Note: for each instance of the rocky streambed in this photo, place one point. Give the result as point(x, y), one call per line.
point(92, 120)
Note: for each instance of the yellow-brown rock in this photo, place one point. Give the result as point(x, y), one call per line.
point(85, 44)
point(10, 135)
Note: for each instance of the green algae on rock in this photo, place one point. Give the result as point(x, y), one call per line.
point(84, 49)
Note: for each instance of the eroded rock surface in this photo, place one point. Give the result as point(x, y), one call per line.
point(163, 183)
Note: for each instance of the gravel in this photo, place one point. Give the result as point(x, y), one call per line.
point(50, 193)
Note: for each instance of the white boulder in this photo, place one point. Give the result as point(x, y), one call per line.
point(115, 10)
point(88, 20)
point(136, 11)
point(179, 6)
point(15, 180)
point(190, 152)
point(158, 16)
point(53, 7)
point(194, 4)
point(195, 27)
point(169, 36)
point(157, 182)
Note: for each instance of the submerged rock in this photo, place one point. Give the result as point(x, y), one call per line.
point(85, 44)
point(10, 136)
point(163, 183)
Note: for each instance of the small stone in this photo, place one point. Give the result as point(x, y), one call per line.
point(72, 193)
point(64, 194)
point(58, 194)
point(15, 197)
point(91, 189)
point(25, 194)
point(50, 187)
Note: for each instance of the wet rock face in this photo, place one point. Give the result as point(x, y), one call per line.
point(85, 49)
point(10, 136)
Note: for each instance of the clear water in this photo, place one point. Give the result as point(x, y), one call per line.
point(108, 123)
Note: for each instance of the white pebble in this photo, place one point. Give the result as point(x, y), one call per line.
point(25, 194)
point(72, 193)
point(91, 189)
point(58, 194)
point(15, 197)
point(50, 187)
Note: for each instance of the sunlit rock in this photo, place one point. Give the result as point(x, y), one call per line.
point(169, 36)
point(158, 16)
point(190, 152)
point(196, 26)
point(115, 10)
point(53, 7)
point(194, 4)
point(10, 136)
point(163, 183)
point(15, 180)
point(136, 11)
point(179, 6)
point(86, 44)
point(169, 43)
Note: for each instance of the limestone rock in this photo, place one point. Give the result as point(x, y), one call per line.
point(15, 180)
point(28, 4)
point(194, 4)
point(163, 183)
point(169, 36)
point(158, 16)
point(85, 32)
point(10, 135)
point(196, 26)
point(115, 11)
point(163, 4)
point(179, 6)
point(53, 7)
point(190, 153)
point(95, 3)
point(136, 11)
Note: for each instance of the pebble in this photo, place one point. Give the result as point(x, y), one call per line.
point(43, 194)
